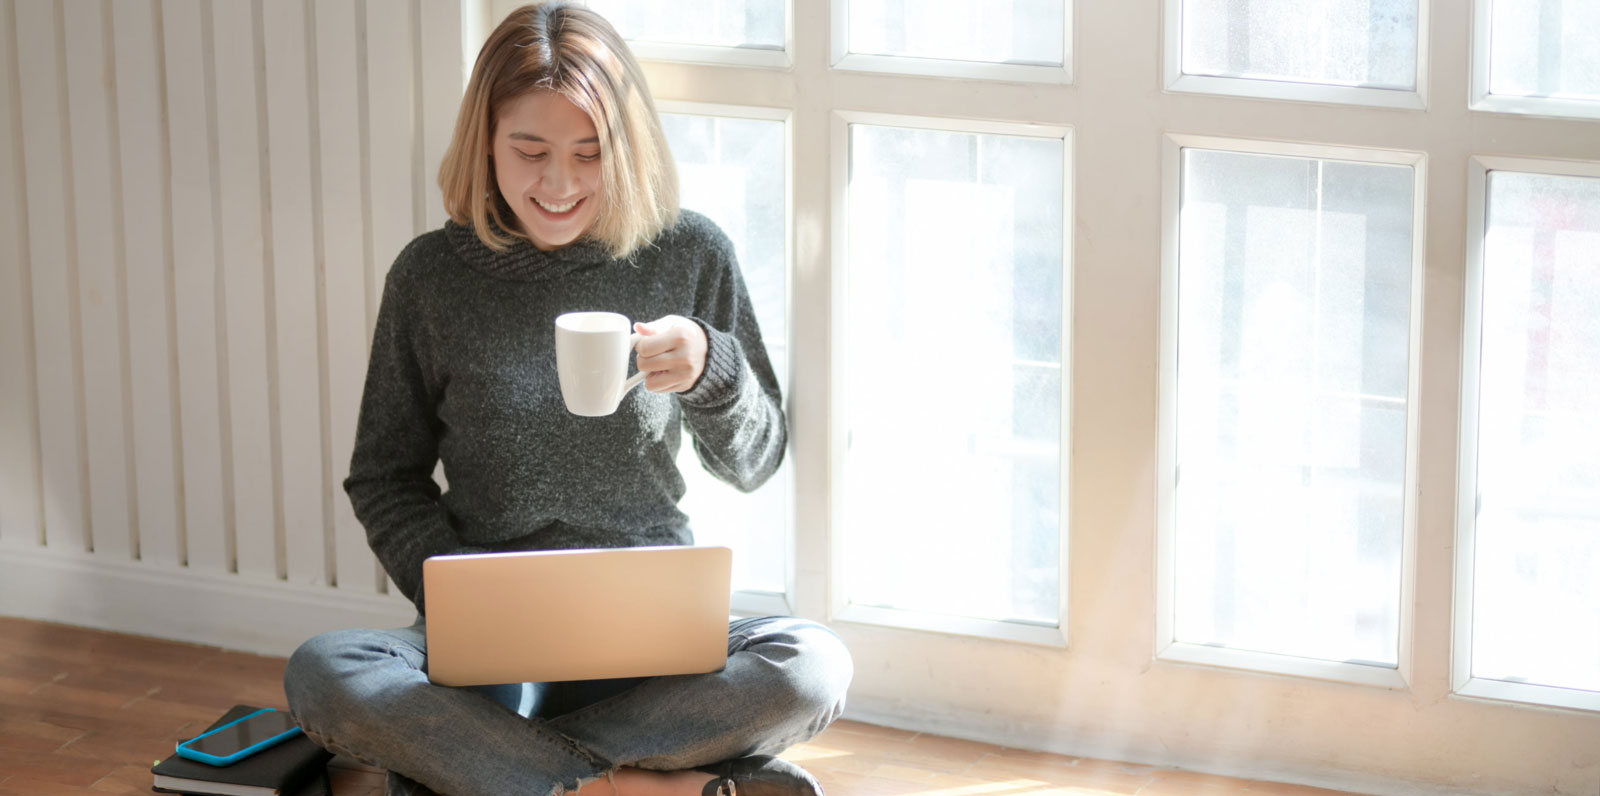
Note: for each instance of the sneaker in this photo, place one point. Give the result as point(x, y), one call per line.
point(760, 775)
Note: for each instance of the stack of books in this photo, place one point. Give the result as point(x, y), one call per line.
point(296, 767)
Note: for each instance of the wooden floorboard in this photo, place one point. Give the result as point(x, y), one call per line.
point(88, 712)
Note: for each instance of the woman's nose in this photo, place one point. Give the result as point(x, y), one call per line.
point(558, 177)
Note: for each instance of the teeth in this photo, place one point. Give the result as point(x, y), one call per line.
point(557, 208)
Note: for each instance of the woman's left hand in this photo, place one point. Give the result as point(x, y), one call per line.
point(673, 352)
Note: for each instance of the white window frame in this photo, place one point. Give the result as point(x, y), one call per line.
point(746, 602)
point(845, 60)
point(710, 55)
point(758, 57)
point(1461, 679)
point(842, 609)
point(1175, 80)
point(1483, 100)
point(1168, 648)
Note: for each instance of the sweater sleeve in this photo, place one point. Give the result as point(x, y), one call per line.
point(391, 484)
point(734, 412)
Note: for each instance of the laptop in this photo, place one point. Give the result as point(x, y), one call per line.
point(553, 615)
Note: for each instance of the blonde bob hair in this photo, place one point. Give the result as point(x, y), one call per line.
point(568, 49)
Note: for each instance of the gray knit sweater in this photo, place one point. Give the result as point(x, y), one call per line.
point(463, 370)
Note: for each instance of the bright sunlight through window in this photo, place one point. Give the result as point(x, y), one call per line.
point(1294, 297)
point(1545, 48)
point(1368, 43)
point(754, 24)
point(994, 31)
point(1536, 597)
point(953, 384)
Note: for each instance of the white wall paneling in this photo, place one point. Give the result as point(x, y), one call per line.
point(241, 152)
point(441, 89)
point(145, 205)
point(199, 201)
point(20, 512)
point(53, 275)
point(100, 300)
point(392, 134)
point(296, 292)
point(191, 138)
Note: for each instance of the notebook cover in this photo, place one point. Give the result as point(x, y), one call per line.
point(282, 766)
point(319, 785)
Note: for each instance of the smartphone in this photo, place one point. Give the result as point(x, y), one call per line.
point(240, 738)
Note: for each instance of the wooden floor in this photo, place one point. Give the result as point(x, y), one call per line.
point(85, 711)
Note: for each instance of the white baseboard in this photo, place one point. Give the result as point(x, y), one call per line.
point(1000, 731)
point(267, 617)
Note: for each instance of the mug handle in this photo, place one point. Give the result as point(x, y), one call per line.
point(637, 378)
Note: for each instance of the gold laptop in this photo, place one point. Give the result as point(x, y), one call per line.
point(576, 614)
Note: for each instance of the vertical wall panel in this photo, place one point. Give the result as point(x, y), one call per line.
point(245, 295)
point(20, 515)
point(199, 201)
point(195, 281)
point(100, 301)
point(145, 205)
point(295, 277)
point(344, 271)
point(389, 131)
point(52, 276)
point(441, 96)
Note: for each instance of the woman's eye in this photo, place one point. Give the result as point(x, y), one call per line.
point(589, 158)
point(526, 156)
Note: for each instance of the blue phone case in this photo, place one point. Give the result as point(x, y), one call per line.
point(201, 757)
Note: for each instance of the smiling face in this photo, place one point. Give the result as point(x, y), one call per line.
point(547, 164)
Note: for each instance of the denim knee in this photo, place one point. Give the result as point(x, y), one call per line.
point(816, 670)
point(832, 669)
point(324, 679)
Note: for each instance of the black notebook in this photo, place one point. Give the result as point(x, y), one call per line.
point(296, 767)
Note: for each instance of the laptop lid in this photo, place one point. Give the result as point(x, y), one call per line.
point(554, 615)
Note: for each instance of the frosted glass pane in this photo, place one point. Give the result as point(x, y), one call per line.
point(1294, 292)
point(732, 170)
point(953, 373)
point(1370, 43)
point(998, 31)
point(1536, 597)
point(722, 23)
point(1545, 48)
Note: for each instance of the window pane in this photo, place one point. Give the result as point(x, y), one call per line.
point(721, 23)
point(953, 373)
point(1294, 294)
point(732, 170)
point(1536, 597)
point(999, 31)
point(1545, 48)
point(1370, 43)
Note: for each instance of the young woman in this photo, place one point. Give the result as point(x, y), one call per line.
point(562, 197)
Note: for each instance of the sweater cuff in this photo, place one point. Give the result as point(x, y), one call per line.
point(418, 599)
point(725, 369)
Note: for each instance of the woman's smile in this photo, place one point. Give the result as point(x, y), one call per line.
point(557, 208)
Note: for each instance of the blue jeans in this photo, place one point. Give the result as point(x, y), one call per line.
point(366, 694)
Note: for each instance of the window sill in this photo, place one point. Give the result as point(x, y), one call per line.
point(1042, 635)
point(1335, 671)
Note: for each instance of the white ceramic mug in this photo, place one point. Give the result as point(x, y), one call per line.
point(592, 361)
